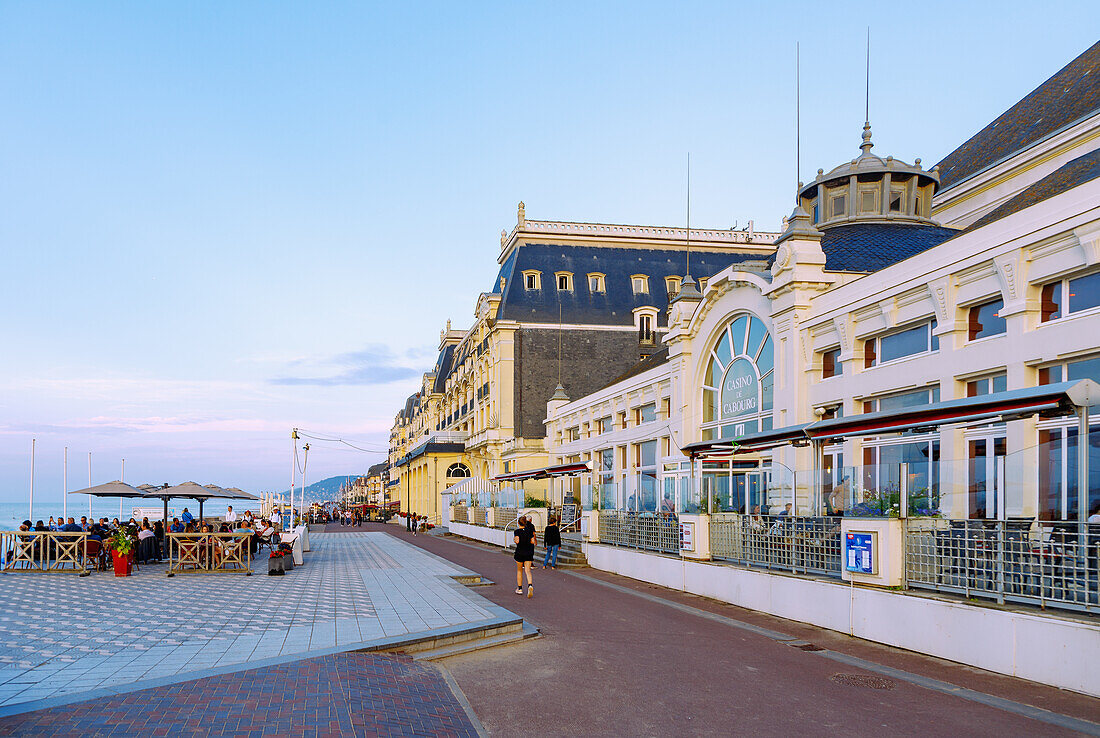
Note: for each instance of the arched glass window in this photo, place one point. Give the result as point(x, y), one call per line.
point(458, 470)
point(739, 383)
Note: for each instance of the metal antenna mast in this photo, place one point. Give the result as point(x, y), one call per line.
point(867, 91)
point(688, 232)
point(797, 118)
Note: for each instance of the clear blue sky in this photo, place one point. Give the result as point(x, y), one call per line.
point(221, 220)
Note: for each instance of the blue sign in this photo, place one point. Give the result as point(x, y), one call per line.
point(859, 552)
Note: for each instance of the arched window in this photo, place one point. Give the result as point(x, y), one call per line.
point(739, 383)
point(458, 470)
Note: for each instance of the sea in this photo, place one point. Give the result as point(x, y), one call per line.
point(14, 513)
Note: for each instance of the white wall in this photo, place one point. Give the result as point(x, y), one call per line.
point(1051, 650)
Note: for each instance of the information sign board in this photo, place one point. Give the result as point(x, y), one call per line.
point(687, 536)
point(860, 552)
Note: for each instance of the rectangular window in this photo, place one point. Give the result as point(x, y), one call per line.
point(867, 202)
point(595, 282)
point(895, 200)
point(1068, 296)
point(1084, 293)
point(666, 408)
point(909, 342)
point(645, 413)
point(605, 425)
point(563, 282)
point(646, 453)
point(573, 434)
point(986, 385)
point(831, 366)
point(532, 282)
point(838, 206)
point(622, 419)
point(986, 320)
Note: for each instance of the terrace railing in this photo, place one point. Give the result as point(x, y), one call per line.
point(806, 545)
point(458, 514)
point(479, 515)
point(645, 531)
point(44, 551)
point(1049, 564)
point(214, 552)
point(503, 516)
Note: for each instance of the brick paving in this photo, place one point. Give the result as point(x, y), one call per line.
point(347, 694)
point(614, 663)
point(62, 635)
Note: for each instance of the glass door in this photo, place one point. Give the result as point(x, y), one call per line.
point(985, 483)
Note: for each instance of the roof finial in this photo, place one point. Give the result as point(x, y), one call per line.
point(866, 145)
point(521, 215)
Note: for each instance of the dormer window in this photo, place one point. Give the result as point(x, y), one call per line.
point(595, 282)
point(640, 283)
point(672, 285)
point(532, 280)
point(868, 202)
point(565, 281)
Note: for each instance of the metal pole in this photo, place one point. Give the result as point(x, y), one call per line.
point(293, 462)
point(90, 484)
point(903, 501)
point(30, 504)
point(122, 478)
point(305, 462)
point(65, 484)
point(1082, 470)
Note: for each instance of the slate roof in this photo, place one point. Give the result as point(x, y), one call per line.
point(868, 247)
point(443, 368)
point(657, 358)
point(1071, 174)
point(377, 469)
point(1069, 96)
point(612, 307)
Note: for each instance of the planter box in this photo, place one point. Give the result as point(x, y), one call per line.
point(276, 566)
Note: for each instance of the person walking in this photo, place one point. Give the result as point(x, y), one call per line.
point(551, 538)
point(525, 540)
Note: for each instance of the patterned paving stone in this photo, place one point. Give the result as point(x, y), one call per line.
point(347, 694)
point(354, 587)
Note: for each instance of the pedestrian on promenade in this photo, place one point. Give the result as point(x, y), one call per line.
point(230, 516)
point(525, 554)
point(551, 538)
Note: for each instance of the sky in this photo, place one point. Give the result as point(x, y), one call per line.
point(220, 221)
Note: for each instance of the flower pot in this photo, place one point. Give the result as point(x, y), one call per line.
point(121, 563)
point(275, 566)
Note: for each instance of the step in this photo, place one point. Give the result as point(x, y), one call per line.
point(430, 642)
point(454, 649)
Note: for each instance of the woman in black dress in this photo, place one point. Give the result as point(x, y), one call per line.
point(525, 554)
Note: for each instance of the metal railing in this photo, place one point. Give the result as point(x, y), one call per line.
point(806, 545)
point(458, 514)
point(45, 551)
point(217, 552)
point(641, 530)
point(502, 517)
point(1046, 564)
point(479, 515)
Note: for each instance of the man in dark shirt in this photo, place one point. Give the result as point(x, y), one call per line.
point(71, 527)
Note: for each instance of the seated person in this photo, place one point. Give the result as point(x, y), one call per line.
point(176, 526)
point(71, 527)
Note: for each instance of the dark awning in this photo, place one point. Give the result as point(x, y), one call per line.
point(560, 470)
point(1051, 400)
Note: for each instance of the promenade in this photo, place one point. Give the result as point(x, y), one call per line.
point(63, 636)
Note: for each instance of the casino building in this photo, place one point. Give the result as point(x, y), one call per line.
point(893, 288)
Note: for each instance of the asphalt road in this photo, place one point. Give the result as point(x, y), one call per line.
point(620, 657)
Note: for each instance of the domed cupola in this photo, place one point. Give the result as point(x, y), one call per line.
point(870, 189)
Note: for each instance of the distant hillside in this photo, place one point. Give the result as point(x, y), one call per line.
point(326, 489)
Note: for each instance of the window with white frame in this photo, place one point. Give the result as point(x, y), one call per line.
point(987, 385)
point(1068, 296)
point(985, 320)
point(532, 280)
point(640, 284)
point(920, 339)
point(738, 385)
point(831, 365)
point(596, 282)
point(645, 328)
point(672, 285)
point(1060, 448)
point(565, 281)
point(645, 414)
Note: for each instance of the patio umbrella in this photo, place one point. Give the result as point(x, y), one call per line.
point(110, 489)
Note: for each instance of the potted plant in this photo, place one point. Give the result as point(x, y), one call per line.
point(122, 545)
point(275, 563)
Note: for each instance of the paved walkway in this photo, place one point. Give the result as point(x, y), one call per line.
point(62, 635)
point(347, 694)
point(621, 657)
